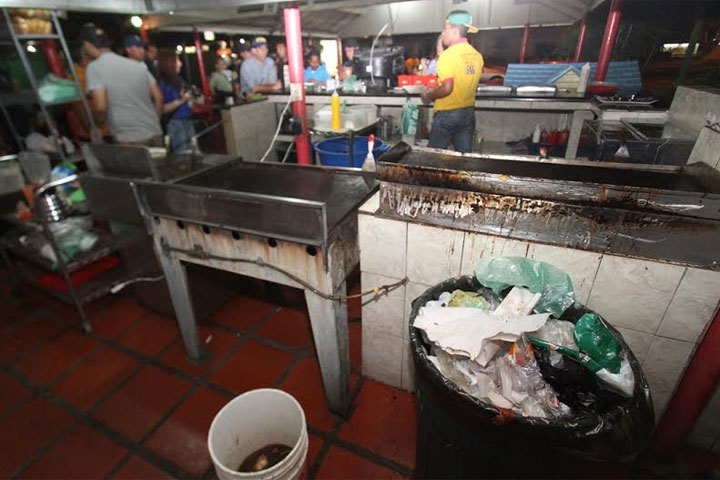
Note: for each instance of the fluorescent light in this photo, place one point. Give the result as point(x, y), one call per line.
point(179, 48)
point(209, 36)
point(242, 40)
point(136, 21)
point(31, 48)
point(205, 48)
point(190, 49)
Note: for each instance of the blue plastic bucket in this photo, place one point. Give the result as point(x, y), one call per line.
point(335, 152)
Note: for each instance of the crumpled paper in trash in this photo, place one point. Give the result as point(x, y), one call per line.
point(467, 331)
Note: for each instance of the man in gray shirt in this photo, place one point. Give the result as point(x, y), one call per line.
point(258, 73)
point(124, 93)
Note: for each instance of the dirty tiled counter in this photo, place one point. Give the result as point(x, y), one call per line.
point(661, 309)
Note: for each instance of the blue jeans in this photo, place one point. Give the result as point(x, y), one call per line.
point(180, 132)
point(456, 126)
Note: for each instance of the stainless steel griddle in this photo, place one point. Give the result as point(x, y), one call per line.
point(288, 224)
point(666, 213)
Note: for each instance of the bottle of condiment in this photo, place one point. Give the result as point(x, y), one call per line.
point(335, 111)
point(536, 134)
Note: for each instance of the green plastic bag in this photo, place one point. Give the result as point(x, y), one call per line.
point(409, 118)
point(553, 284)
point(55, 89)
point(595, 339)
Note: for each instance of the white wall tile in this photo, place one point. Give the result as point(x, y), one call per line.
point(408, 368)
point(434, 253)
point(579, 264)
point(382, 245)
point(663, 366)
point(371, 204)
point(382, 357)
point(639, 342)
point(709, 422)
point(479, 246)
point(693, 305)
point(384, 313)
point(634, 293)
point(412, 291)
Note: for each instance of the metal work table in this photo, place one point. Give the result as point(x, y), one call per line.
point(579, 106)
point(287, 224)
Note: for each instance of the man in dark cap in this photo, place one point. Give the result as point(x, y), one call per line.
point(135, 48)
point(258, 74)
point(123, 91)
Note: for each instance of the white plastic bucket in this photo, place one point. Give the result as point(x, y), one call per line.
point(252, 421)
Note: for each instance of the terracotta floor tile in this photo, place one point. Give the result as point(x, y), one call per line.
point(355, 333)
point(30, 428)
point(118, 317)
point(354, 304)
point(13, 315)
point(242, 313)
point(138, 469)
point(341, 464)
point(151, 335)
point(215, 340)
point(25, 338)
point(289, 327)
point(57, 356)
point(142, 402)
point(253, 365)
point(95, 377)
point(85, 453)
point(305, 384)
point(12, 392)
point(384, 422)
point(314, 448)
point(182, 438)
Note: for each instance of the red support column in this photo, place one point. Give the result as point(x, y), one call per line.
point(523, 47)
point(293, 36)
point(53, 57)
point(201, 67)
point(608, 42)
point(581, 38)
point(693, 393)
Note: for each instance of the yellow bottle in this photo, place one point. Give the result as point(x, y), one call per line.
point(335, 109)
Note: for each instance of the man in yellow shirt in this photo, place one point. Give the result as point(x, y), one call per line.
point(459, 68)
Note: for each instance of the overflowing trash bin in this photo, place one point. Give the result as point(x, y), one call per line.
point(514, 378)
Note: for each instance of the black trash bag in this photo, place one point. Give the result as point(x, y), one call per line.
point(460, 436)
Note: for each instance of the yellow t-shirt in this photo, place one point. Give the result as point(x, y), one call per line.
point(464, 65)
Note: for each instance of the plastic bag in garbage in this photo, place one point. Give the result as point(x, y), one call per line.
point(595, 339)
point(553, 284)
point(460, 298)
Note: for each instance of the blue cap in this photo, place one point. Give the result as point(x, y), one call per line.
point(259, 42)
point(134, 41)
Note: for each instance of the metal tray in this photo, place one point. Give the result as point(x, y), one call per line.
point(290, 202)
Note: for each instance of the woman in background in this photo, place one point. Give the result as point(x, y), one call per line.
point(432, 64)
point(177, 95)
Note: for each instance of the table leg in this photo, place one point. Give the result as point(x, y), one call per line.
point(576, 126)
point(351, 147)
point(176, 278)
point(329, 325)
